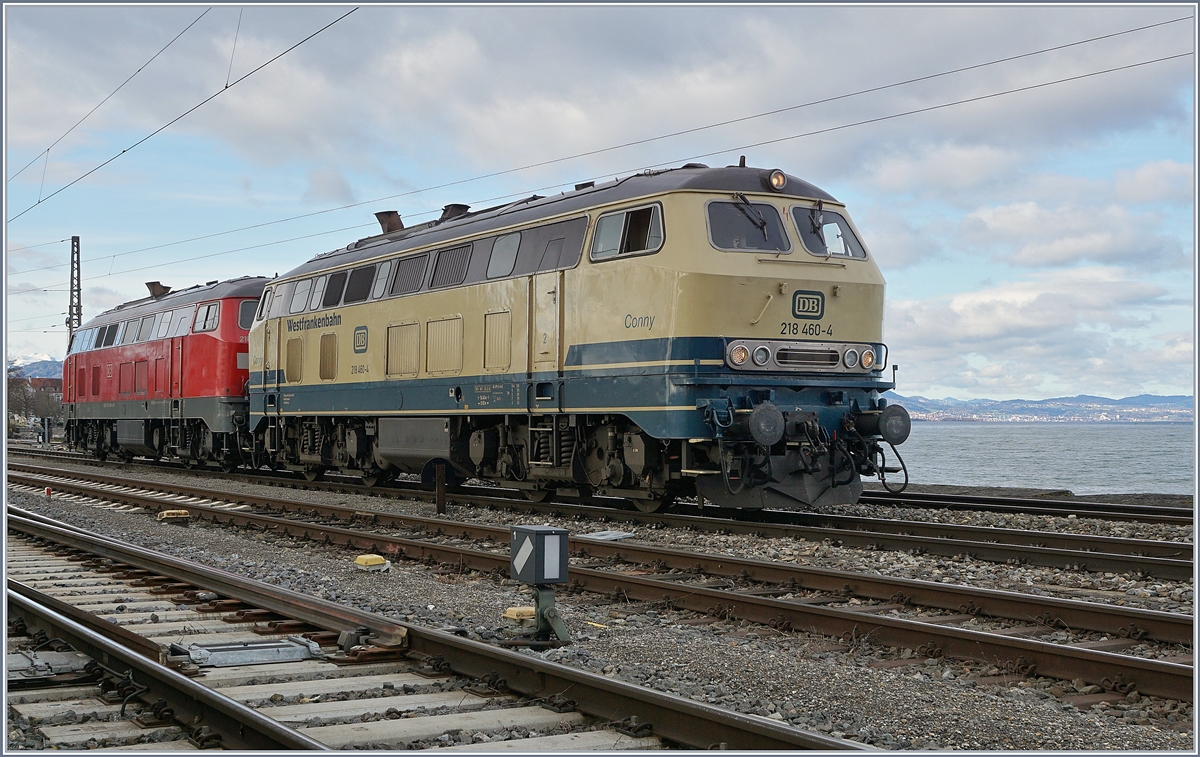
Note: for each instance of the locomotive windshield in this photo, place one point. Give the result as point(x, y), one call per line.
point(825, 232)
point(746, 226)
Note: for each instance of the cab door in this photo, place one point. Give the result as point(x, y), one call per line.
point(545, 302)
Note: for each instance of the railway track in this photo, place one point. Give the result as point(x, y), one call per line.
point(1170, 560)
point(783, 596)
point(492, 495)
point(307, 673)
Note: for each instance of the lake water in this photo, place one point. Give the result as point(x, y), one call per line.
point(1087, 458)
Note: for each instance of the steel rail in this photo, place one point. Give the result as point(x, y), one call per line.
point(941, 531)
point(1055, 612)
point(673, 718)
point(1082, 508)
point(241, 727)
point(1108, 511)
point(1163, 567)
point(1153, 677)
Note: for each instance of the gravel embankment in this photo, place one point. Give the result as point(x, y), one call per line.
point(789, 676)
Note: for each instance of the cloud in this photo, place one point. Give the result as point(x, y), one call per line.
point(328, 186)
point(943, 168)
point(1028, 234)
point(1160, 181)
point(1080, 328)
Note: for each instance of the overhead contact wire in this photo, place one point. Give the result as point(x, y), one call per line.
point(115, 91)
point(815, 132)
point(181, 116)
point(642, 141)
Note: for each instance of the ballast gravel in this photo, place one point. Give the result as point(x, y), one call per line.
point(811, 682)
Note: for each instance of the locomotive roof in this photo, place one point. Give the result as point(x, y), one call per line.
point(246, 286)
point(691, 177)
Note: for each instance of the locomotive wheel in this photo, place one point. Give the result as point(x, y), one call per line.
point(227, 466)
point(101, 455)
point(313, 473)
point(650, 505)
point(126, 457)
point(188, 463)
point(536, 495)
point(372, 478)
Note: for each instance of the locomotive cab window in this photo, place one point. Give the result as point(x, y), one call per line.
point(742, 225)
point(246, 314)
point(630, 232)
point(266, 304)
point(206, 317)
point(318, 292)
point(300, 297)
point(827, 233)
point(504, 255)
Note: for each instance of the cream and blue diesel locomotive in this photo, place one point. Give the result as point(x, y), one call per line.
point(695, 331)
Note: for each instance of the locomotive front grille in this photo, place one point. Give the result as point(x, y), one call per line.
point(807, 358)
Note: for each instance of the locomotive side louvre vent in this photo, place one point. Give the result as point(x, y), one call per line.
point(497, 341)
point(444, 341)
point(294, 367)
point(141, 377)
point(125, 379)
point(800, 356)
point(328, 370)
point(410, 272)
point(95, 381)
point(451, 267)
point(404, 349)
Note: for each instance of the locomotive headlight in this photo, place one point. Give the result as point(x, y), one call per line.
point(868, 359)
point(850, 359)
point(778, 180)
point(761, 355)
point(739, 355)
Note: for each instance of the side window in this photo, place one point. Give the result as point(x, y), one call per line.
point(630, 232)
point(246, 314)
point(146, 329)
point(266, 304)
point(130, 331)
point(385, 269)
point(318, 292)
point(111, 335)
point(410, 273)
point(182, 317)
point(825, 232)
point(451, 267)
point(358, 288)
point(504, 255)
point(300, 296)
point(333, 289)
point(207, 316)
point(746, 226)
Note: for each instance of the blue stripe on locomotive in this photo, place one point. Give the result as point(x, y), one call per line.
point(670, 394)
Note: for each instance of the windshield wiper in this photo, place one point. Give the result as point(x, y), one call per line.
point(816, 217)
point(757, 219)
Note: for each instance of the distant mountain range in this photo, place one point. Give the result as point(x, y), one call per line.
point(1142, 408)
point(38, 366)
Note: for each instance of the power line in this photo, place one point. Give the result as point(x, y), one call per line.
point(686, 159)
point(636, 142)
point(181, 116)
point(115, 91)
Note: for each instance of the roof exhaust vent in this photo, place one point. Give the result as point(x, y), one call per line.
point(390, 221)
point(452, 211)
point(157, 289)
point(585, 185)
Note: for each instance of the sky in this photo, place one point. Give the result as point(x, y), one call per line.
point(1036, 243)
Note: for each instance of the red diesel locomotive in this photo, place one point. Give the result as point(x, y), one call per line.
point(164, 376)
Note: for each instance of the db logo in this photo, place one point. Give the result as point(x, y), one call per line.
point(808, 305)
point(360, 339)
